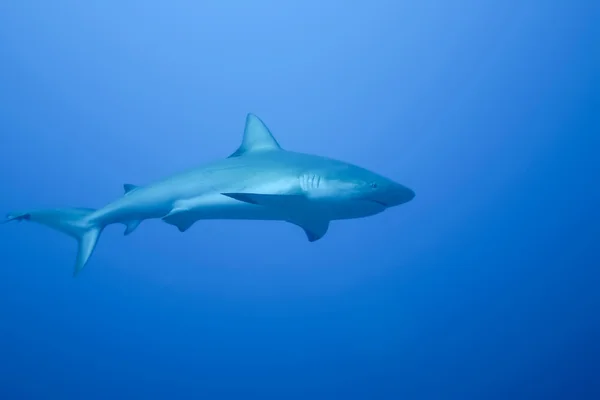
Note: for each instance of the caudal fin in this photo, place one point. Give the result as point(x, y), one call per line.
point(71, 221)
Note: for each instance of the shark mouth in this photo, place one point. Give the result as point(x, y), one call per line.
point(379, 202)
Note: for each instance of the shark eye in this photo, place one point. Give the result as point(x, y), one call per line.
point(374, 185)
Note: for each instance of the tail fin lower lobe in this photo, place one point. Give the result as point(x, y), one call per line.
point(71, 221)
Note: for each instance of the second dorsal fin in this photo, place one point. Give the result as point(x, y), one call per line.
point(128, 187)
point(257, 137)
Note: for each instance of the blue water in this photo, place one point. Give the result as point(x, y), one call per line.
point(485, 286)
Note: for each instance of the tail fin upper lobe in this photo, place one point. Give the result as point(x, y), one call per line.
point(71, 221)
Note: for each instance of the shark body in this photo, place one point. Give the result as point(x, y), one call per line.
point(259, 181)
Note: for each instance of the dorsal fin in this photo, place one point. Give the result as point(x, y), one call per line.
point(128, 187)
point(257, 137)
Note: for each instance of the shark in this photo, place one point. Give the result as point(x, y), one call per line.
point(258, 181)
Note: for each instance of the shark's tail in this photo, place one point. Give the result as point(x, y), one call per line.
point(71, 221)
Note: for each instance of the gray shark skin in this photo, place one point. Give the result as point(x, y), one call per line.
point(259, 181)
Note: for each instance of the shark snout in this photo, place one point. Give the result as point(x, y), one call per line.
point(398, 194)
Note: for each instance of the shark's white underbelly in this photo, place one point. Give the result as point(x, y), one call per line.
point(218, 206)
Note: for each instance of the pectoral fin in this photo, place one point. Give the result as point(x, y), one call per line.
point(296, 206)
point(314, 228)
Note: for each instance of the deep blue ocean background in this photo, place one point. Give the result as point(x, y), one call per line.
point(485, 286)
